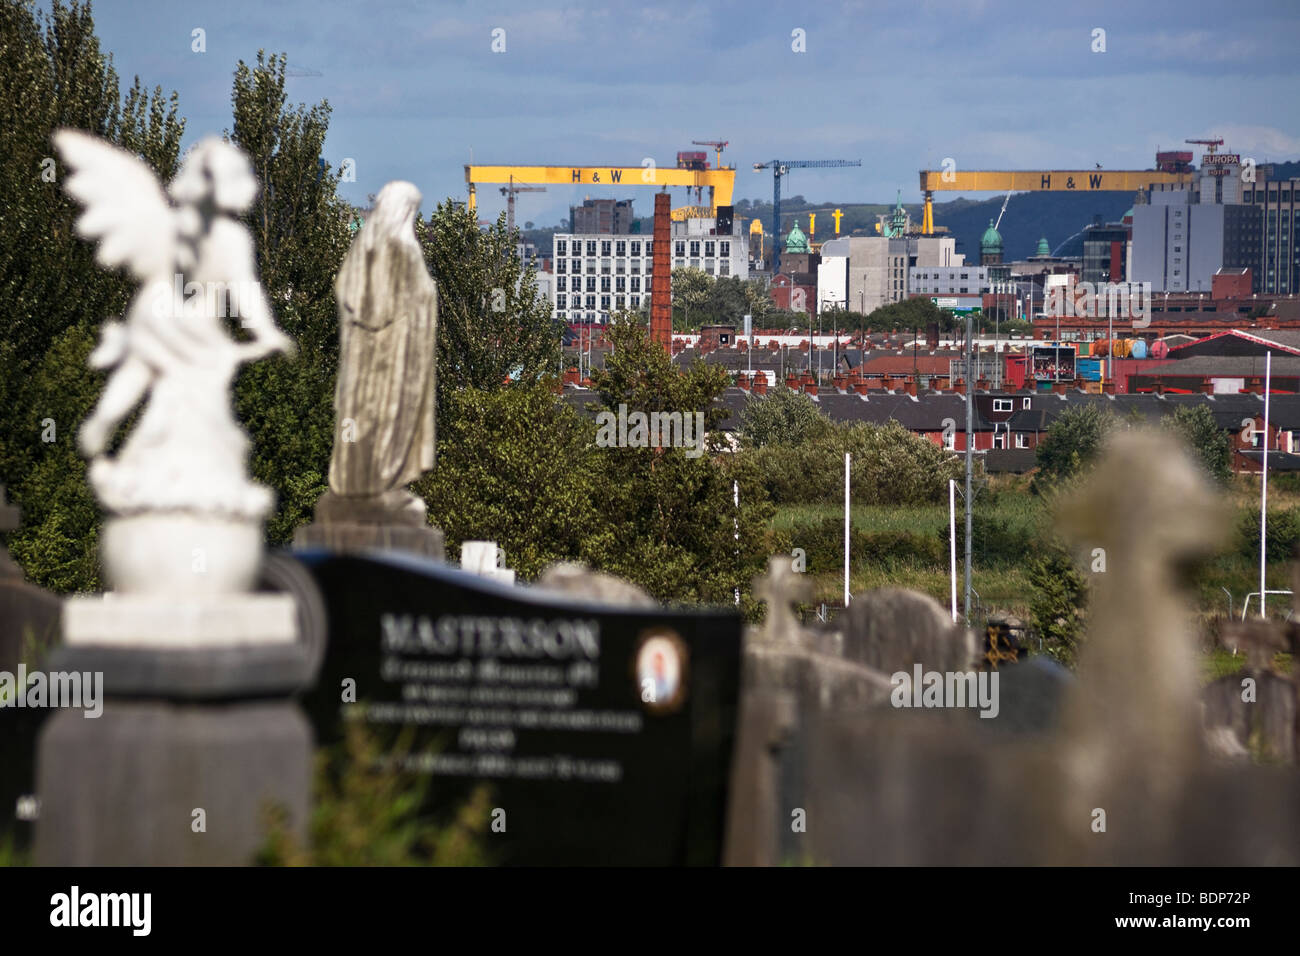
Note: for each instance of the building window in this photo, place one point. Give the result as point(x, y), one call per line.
point(636, 302)
point(649, 266)
point(635, 268)
point(604, 248)
point(1026, 403)
point(560, 282)
point(1003, 404)
point(604, 303)
point(649, 247)
point(604, 267)
point(636, 283)
point(679, 248)
point(591, 247)
point(636, 248)
point(708, 248)
point(618, 302)
point(561, 247)
point(620, 248)
point(950, 439)
point(724, 267)
point(560, 266)
point(1022, 441)
point(620, 284)
point(591, 301)
point(695, 247)
point(575, 266)
point(604, 283)
point(695, 263)
point(726, 248)
point(591, 283)
point(561, 301)
point(708, 266)
point(591, 266)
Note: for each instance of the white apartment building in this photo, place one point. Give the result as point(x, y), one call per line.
point(696, 245)
point(600, 273)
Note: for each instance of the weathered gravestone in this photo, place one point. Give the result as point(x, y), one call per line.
point(1118, 772)
point(29, 628)
point(384, 398)
point(603, 731)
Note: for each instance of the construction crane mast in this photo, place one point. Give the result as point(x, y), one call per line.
point(509, 192)
point(782, 168)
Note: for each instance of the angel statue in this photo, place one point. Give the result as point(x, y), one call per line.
point(187, 451)
point(190, 253)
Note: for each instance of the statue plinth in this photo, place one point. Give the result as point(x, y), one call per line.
point(394, 520)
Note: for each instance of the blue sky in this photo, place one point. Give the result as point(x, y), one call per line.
point(414, 86)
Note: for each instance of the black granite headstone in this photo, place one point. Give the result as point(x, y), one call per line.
point(604, 733)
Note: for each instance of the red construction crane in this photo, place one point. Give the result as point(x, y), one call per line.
point(718, 146)
point(1212, 144)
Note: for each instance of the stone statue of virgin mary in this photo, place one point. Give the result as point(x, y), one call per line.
point(384, 398)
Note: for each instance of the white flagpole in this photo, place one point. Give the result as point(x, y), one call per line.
point(1263, 485)
point(847, 457)
point(952, 542)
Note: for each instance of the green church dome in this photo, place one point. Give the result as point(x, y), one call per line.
point(1043, 248)
point(796, 241)
point(991, 241)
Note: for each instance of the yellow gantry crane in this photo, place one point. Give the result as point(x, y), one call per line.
point(1038, 180)
point(720, 182)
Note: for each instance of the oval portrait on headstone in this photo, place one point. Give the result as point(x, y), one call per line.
point(661, 666)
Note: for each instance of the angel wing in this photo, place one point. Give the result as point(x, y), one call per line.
point(126, 209)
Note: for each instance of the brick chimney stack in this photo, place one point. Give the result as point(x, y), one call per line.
point(661, 307)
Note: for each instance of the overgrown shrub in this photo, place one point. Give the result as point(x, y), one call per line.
point(1281, 536)
point(1058, 604)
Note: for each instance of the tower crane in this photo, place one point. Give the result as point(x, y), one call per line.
point(509, 192)
point(718, 146)
point(782, 168)
point(1210, 144)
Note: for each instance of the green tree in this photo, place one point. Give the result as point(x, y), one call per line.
point(691, 289)
point(1073, 441)
point(727, 302)
point(518, 467)
point(53, 74)
point(493, 326)
point(1205, 440)
point(300, 230)
point(784, 417)
point(1058, 604)
point(917, 313)
point(678, 532)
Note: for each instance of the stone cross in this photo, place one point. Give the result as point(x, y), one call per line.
point(1132, 723)
point(780, 588)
